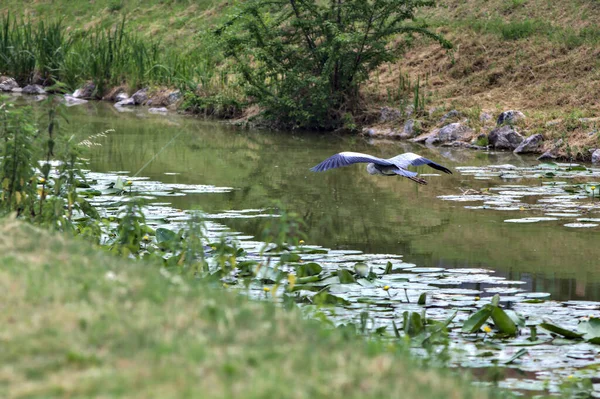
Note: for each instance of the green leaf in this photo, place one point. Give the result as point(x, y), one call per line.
point(288, 257)
point(519, 354)
point(309, 279)
point(517, 318)
point(413, 323)
point(422, 299)
point(325, 298)
point(496, 300)
point(308, 269)
point(503, 322)
point(477, 319)
point(561, 331)
point(165, 235)
point(388, 268)
point(345, 276)
point(450, 318)
point(590, 328)
point(396, 331)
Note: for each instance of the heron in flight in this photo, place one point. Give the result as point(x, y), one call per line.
point(380, 166)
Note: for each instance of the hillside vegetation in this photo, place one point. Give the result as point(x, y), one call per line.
point(538, 56)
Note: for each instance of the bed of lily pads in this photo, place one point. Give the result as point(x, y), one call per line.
point(468, 318)
point(566, 194)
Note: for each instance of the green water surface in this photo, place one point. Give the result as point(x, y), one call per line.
point(346, 208)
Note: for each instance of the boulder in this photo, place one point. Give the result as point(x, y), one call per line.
point(140, 97)
point(484, 117)
point(387, 114)
point(85, 91)
point(451, 114)
point(174, 97)
point(125, 103)
point(409, 128)
point(510, 117)
point(530, 144)
point(8, 84)
point(547, 156)
point(504, 138)
point(596, 156)
point(452, 132)
point(121, 96)
point(33, 89)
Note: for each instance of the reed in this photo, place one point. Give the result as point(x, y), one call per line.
point(47, 53)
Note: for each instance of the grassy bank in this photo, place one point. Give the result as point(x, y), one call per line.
point(537, 56)
point(80, 323)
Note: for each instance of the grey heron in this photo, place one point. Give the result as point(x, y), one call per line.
point(381, 166)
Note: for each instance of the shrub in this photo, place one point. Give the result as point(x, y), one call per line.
point(304, 60)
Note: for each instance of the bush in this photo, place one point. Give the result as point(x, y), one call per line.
point(304, 60)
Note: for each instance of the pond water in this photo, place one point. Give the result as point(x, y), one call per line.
point(501, 224)
point(347, 208)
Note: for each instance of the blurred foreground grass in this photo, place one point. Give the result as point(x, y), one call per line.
point(77, 322)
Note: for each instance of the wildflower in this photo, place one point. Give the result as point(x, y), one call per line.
point(225, 285)
point(213, 248)
point(521, 208)
point(301, 242)
point(146, 238)
point(129, 183)
point(266, 289)
point(477, 298)
point(487, 329)
point(593, 188)
point(386, 287)
point(570, 377)
point(42, 180)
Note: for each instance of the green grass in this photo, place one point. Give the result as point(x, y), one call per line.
point(78, 323)
point(48, 52)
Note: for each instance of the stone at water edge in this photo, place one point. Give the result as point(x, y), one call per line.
point(33, 89)
point(547, 156)
point(530, 144)
point(122, 96)
point(140, 97)
point(505, 138)
point(510, 117)
point(85, 91)
point(451, 132)
point(174, 97)
point(126, 102)
point(596, 156)
point(409, 128)
point(8, 84)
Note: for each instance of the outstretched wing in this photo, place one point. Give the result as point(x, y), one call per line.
point(408, 174)
point(349, 158)
point(403, 161)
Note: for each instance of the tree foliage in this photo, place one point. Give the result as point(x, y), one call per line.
point(303, 61)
